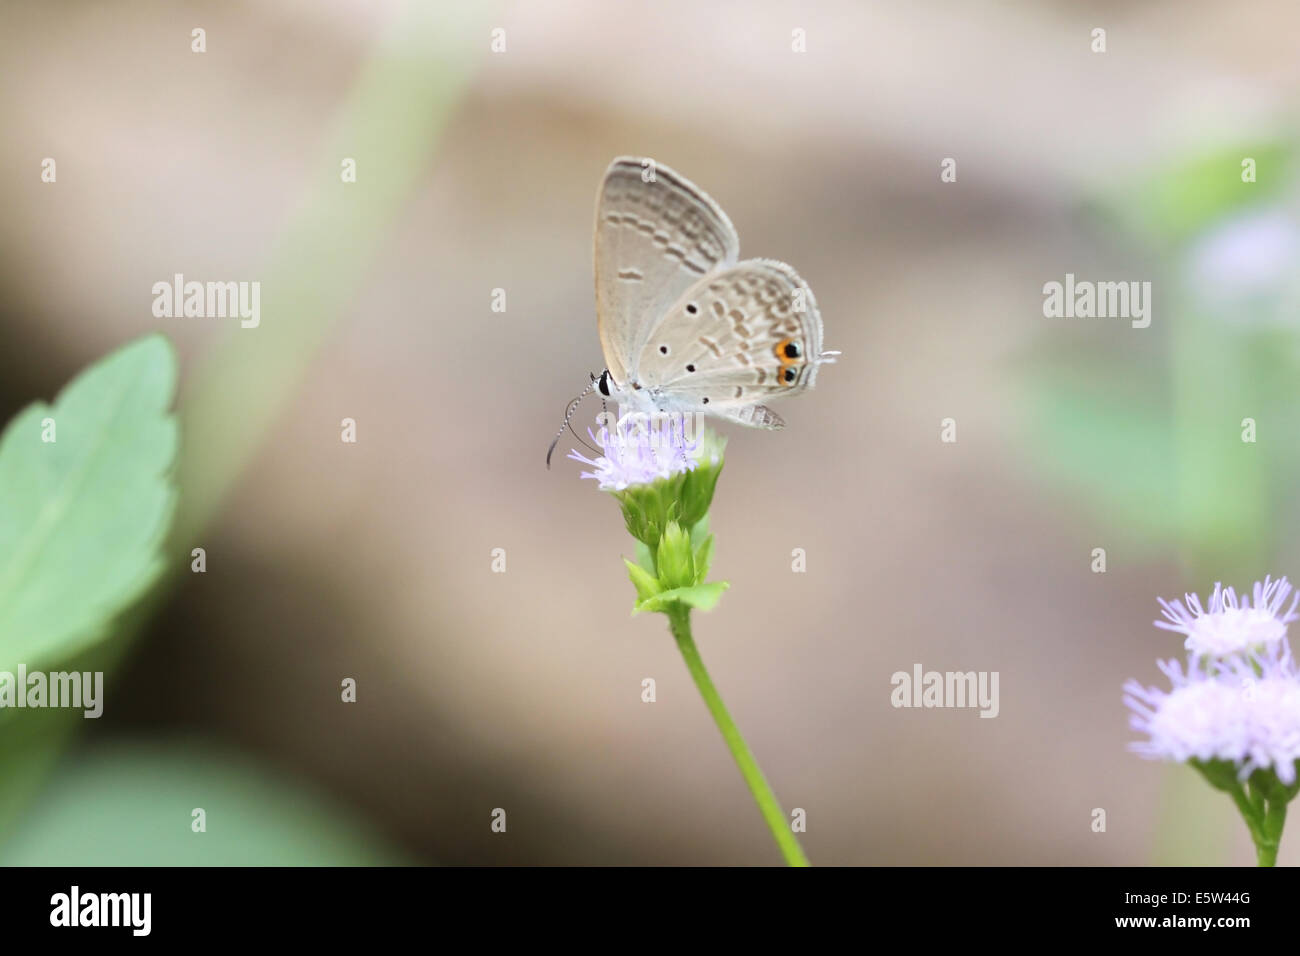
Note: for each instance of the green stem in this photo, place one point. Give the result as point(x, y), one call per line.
point(1264, 811)
point(679, 620)
point(1252, 811)
point(1274, 821)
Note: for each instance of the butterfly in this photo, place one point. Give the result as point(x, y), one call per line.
point(685, 326)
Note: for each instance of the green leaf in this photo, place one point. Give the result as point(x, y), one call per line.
point(646, 584)
point(701, 596)
point(82, 516)
point(132, 804)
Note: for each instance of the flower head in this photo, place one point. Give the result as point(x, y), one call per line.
point(1231, 626)
point(640, 449)
point(663, 476)
point(1244, 712)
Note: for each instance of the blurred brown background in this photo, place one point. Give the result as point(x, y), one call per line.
point(478, 171)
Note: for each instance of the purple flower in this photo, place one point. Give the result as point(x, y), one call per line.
point(1231, 626)
point(1246, 268)
point(1245, 711)
point(640, 449)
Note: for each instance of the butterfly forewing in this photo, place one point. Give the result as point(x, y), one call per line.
point(657, 235)
point(742, 335)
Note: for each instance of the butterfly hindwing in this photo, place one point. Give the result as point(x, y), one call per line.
point(740, 336)
point(657, 234)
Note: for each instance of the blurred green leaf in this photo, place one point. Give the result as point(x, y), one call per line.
point(1151, 445)
point(82, 516)
point(132, 805)
point(1109, 438)
point(1170, 204)
point(391, 120)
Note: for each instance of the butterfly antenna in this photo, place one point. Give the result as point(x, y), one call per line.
point(582, 441)
point(568, 417)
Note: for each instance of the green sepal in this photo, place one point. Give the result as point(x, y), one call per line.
point(675, 559)
point(702, 548)
point(647, 509)
point(699, 531)
point(1268, 784)
point(697, 490)
point(645, 557)
point(646, 584)
point(702, 597)
point(703, 558)
point(1220, 774)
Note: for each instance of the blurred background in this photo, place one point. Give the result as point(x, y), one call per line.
point(477, 170)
